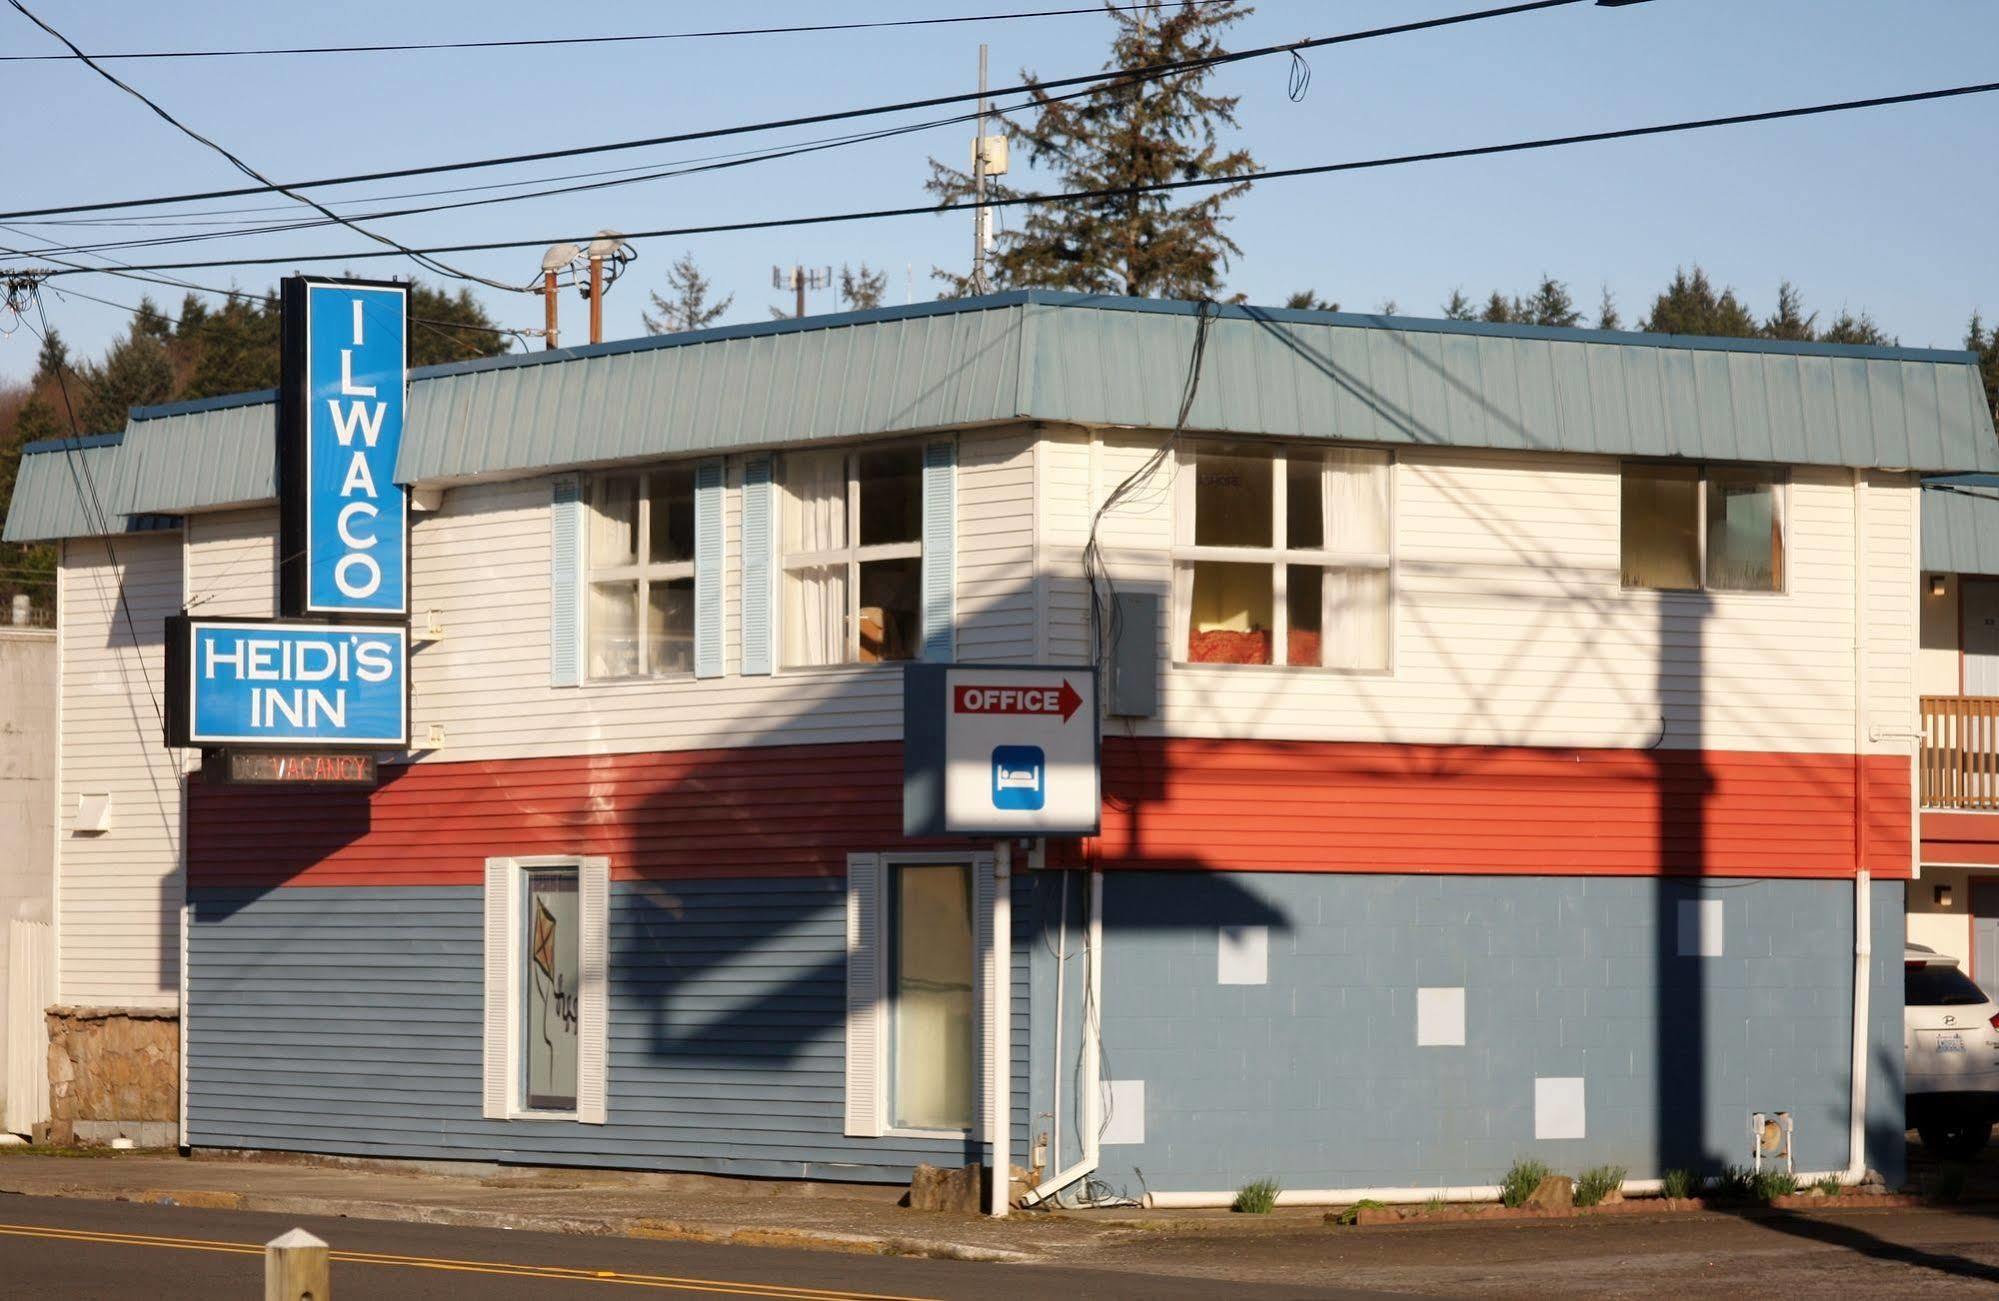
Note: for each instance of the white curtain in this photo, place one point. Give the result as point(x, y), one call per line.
point(814, 615)
point(1357, 606)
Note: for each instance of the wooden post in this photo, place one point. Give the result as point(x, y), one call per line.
point(295, 1268)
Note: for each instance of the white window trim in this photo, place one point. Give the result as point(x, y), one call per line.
point(1780, 476)
point(642, 569)
point(882, 1021)
point(505, 888)
point(852, 555)
point(1277, 557)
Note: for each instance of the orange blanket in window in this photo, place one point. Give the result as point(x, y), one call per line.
point(1223, 647)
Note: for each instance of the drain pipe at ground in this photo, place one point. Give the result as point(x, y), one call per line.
point(999, 1031)
point(1090, 1101)
point(1863, 911)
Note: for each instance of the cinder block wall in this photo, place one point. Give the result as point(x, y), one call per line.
point(1588, 1013)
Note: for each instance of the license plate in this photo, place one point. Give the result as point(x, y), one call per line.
point(1950, 1043)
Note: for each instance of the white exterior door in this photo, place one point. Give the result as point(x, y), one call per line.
point(1981, 637)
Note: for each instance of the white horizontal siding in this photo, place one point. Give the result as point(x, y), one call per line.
point(995, 553)
point(481, 564)
point(1894, 562)
point(118, 892)
point(232, 563)
point(1512, 626)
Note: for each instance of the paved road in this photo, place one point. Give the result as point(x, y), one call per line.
point(60, 1248)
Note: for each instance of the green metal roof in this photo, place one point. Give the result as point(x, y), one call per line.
point(1961, 529)
point(60, 487)
point(1086, 359)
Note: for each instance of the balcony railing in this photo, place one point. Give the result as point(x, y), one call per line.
point(1960, 762)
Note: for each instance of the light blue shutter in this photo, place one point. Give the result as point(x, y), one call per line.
point(757, 510)
point(940, 535)
point(565, 585)
point(708, 547)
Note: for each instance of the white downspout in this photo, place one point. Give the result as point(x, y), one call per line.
point(1863, 911)
point(999, 1031)
point(1091, 1101)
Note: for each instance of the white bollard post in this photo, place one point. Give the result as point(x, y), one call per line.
point(296, 1268)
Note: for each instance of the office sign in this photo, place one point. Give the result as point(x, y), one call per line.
point(1000, 751)
point(270, 684)
point(342, 405)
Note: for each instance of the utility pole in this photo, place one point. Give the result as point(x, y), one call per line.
point(799, 279)
point(988, 159)
point(979, 285)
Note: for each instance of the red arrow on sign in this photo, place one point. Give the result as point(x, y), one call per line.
point(1065, 700)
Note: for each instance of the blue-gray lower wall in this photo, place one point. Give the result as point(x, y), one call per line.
point(1315, 1078)
point(348, 1020)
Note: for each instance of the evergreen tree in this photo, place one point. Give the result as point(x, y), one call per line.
point(1606, 312)
point(1985, 343)
point(862, 289)
point(1848, 328)
point(686, 305)
point(1690, 305)
point(1790, 320)
point(1498, 309)
point(448, 327)
point(1305, 300)
point(52, 358)
point(1126, 133)
point(1460, 308)
point(136, 372)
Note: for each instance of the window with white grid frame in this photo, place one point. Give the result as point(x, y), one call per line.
point(639, 617)
point(851, 547)
point(1282, 556)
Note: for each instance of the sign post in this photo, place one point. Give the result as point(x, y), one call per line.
point(1000, 751)
point(1006, 753)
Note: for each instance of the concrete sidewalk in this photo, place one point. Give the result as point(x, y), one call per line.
point(838, 1217)
point(1886, 1252)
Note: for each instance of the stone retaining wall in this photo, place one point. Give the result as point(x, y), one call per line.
point(114, 1072)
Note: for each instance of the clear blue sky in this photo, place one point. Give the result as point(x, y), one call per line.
point(1888, 211)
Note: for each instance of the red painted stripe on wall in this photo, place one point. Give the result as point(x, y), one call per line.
point(1961, 838)
point(1453, 809)
point(1183, 804)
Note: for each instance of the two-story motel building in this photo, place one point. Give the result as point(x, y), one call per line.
point(1521, 759)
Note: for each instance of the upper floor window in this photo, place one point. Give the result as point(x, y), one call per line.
point(1282, 556)
point(640, 613)
point(1688, 528)
point(851, 543)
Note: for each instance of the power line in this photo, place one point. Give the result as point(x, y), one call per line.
point(245, 168)
point(541, 41)
point(745, 159)
point(1071, 196)
point(1133, 75)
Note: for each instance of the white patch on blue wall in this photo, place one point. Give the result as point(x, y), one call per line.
point(1558, 1106)
point(1124, 1112)
point(1440, 1017)
point(1242, 957)
point(1700, 928)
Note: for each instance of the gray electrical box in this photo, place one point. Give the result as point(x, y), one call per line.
point(1134, 659)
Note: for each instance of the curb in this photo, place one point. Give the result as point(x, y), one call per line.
point(617, 1227)
point(1405, 1216)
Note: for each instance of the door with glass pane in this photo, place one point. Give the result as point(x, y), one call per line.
point(932, 958)
point(551, 972)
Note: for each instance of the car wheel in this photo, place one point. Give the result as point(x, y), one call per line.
point(1956, 1140)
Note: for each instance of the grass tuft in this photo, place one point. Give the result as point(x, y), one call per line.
point(1521, 1180)
point(1258, 1197)
point(1829, 1185)
point(1598, 1182)
point(1681, 1184)
point(1772, 1184)
point(1351, 1215)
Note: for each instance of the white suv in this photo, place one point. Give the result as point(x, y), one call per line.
point(1950, 1044)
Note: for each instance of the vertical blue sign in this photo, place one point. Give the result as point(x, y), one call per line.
point(356, 539)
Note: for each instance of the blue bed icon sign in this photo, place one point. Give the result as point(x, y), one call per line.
point(1020, 777)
